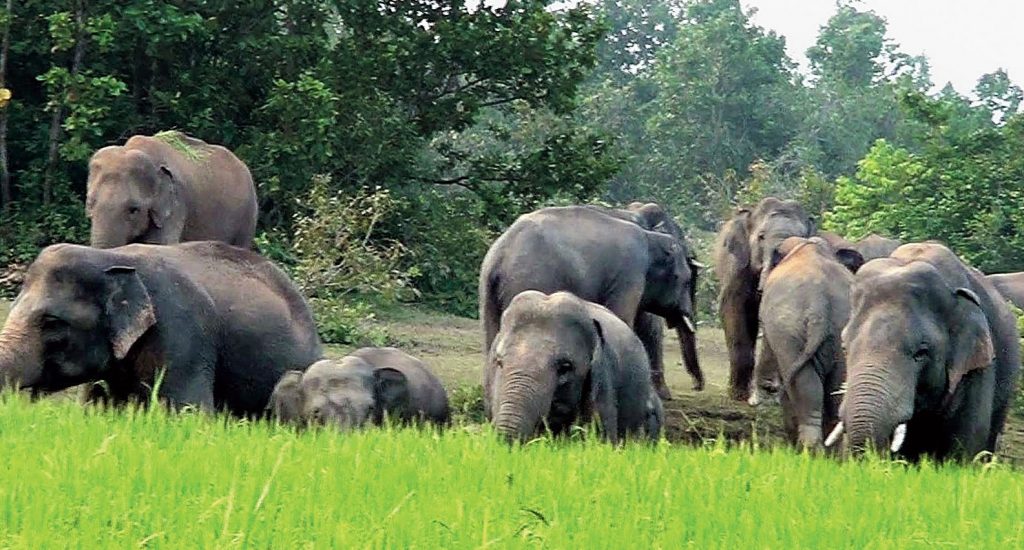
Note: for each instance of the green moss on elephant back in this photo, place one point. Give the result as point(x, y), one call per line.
point(179, 141)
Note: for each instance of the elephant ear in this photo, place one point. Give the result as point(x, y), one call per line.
point(160, 211)
point(736, 239)
point(851, 259)
point(128, 308)
point(390, 393)
point(286, 401)
point(972, 347)
point(663, 250)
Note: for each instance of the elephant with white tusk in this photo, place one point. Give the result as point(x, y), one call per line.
point(932, 357)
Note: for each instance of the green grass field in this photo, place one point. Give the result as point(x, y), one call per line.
point(98, 479)
point(86, 477)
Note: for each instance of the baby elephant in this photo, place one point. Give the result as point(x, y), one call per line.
point(365, 386)
point(558, 359)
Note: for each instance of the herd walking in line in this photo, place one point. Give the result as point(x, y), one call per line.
point(868, 344)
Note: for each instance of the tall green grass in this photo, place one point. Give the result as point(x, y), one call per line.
point(96, 479)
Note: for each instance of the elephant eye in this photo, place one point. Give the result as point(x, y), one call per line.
point(921, 354)
point(564, 366)
point(133, 209)
point(760, 236)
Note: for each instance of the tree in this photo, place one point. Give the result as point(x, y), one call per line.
point(999, 95)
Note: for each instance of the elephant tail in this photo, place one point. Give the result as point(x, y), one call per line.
point(816, 333)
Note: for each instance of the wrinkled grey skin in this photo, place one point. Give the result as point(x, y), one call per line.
point(930, 343)
point(1010, 286)
point(648, 327)
point(805, 305)
point(367, 386)
point(876, 246)
point(147, 191)
point(585, 251)
point(742, 250)
point(223, 322)
point(558, 361)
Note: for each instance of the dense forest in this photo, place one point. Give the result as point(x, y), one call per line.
point(392, 140)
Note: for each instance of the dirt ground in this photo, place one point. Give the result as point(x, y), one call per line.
point(452, 346)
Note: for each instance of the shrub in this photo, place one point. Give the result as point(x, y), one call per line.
point(342, 266)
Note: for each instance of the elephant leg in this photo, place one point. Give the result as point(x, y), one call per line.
point(806, 397)
point(608, 414)
point(765, 384)
point(648, 328)
point(739, 319)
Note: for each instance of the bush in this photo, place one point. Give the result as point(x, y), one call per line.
point(466, 402)
point(342, 266)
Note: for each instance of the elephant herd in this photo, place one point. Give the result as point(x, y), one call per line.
point(871, 343)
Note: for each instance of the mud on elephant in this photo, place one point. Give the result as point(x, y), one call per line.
point(648, 327)
point(558, 361)
point(805, 305)
point(166, 189)
point(365, 387)
point(221, 322)
point(743, 249)
point(594, 255)
point(932, 356)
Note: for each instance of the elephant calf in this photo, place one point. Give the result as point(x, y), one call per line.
point(222, 323)
point(805, 305)
point(558, 359)
point(932, 354)
point(369, 385)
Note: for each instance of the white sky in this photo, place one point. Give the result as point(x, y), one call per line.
point(963, 39)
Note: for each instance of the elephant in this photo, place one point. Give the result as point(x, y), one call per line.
point(166, 189)
point(558, 359)
point(599, 258)
point(215, 324)
point(876, 246)
point(648, 327)
point(932, 356)
point(743, 248)
point(1010, 286)
point(804, 307)
point(366, 386)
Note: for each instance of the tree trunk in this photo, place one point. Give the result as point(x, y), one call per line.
point(5, 174)
point(58, 112)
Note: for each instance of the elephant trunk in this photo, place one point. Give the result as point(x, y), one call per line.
point(98, 239)
point(873, 410)
point(688, 345)
point(521, 406)
point(21, 353)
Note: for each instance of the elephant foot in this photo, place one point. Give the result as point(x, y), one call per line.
point(739, 394)
point(658, 379)
point(698, 384)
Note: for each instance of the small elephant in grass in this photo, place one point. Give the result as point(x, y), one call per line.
point(558, 359)
point(365, 386)
point(806, 304)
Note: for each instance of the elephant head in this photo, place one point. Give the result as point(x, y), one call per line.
point(772, 222)
point(344, 394)
point(848, 256)
point(670, 287)
point(78, 314)
point(131, 198)
point(544, 358)
point(916, 330)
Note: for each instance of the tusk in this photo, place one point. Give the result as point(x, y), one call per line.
point(689, 324)
point(898, 436)
point(697, 264)
point(837, 432)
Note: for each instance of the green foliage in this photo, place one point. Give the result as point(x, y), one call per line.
point(963, 190)
point(466, 402)
point(122, 479)
point(340, 265)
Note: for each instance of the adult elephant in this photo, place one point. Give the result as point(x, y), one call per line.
point(932, 357)
point(648, 327)
point(876, 246)
point(166, 189)
point(1010, 286)
point(804, 307)
point(601, 259)
point(743, 249)
point(222, 323)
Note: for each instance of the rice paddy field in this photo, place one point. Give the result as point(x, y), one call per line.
point(89, 477)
